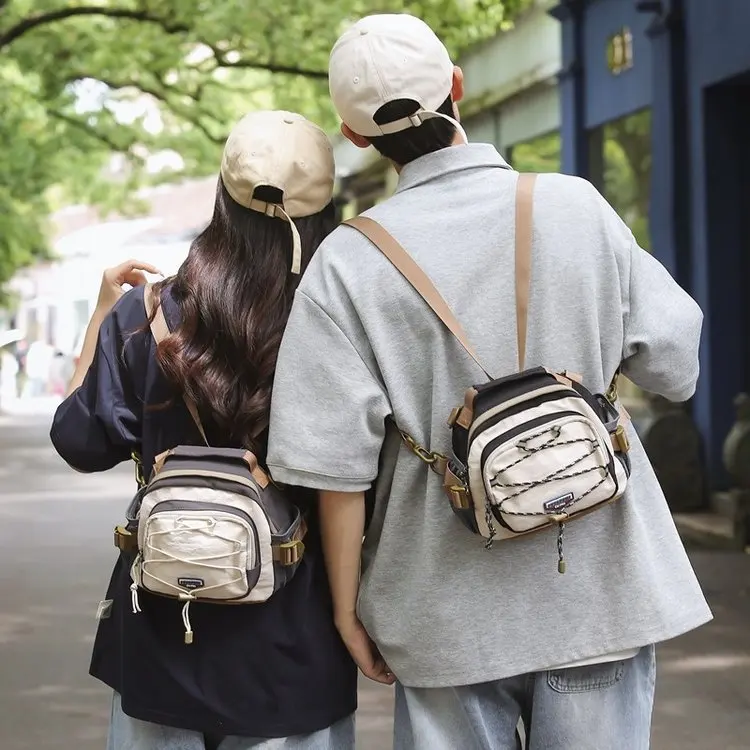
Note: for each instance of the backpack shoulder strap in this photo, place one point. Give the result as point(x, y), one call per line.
point(393, 250)
point(524, 236)
point(160, 331)
point(410, 270)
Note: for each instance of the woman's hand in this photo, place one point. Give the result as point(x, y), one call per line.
point(130, 272)
point(364, 652)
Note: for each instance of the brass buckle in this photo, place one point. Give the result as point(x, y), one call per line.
point(611, 395)
point(291, 552)
point(139, 478)
point(125, 540)
point(423, 454)
point(459, 496)
point(453, 418)
point(621, 439)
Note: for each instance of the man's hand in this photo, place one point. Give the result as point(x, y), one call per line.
point(130, 272)
point(363, 650)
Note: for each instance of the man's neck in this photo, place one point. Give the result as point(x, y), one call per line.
point(457, 141)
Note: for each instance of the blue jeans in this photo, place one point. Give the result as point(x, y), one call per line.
point(126, 733)
point(599, 707)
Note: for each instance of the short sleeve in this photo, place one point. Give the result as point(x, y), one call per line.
point(328, 409)
point(99, 424)
point(662, 330)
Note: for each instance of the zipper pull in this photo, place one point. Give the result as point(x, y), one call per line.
point(560, 558)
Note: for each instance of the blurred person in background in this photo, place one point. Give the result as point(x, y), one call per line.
point(61, 371)
point(38, 369)
point(8, 374)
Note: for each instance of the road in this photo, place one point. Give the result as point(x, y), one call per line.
point(55, 558)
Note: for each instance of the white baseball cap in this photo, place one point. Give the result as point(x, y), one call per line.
point(285, 151)
point(386, 57)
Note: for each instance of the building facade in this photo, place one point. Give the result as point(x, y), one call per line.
point(658, 91)
point(55, 300)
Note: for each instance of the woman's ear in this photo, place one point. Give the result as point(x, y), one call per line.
point(358, 140)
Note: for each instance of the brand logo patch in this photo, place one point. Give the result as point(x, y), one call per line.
point(559, 503)
point(191, 583)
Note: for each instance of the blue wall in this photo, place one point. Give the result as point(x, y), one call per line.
point(718, 38)
point(609, 96)
point(681, 56)
point(718, 49)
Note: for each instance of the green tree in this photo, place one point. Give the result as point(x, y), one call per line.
point(72, 71)
point(627, 171)
point(541, 154)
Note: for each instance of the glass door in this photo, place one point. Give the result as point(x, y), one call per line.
point(621, 170)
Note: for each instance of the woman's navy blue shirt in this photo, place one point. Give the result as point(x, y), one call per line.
point(261, 670)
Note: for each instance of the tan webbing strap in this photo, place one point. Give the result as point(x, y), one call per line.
point(390, 247)
point(524, 236)
point(160, 331)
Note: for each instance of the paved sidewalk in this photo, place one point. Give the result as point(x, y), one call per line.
point(703, 682)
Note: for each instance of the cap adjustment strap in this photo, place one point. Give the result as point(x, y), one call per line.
point(276, 211)
point(416, 119)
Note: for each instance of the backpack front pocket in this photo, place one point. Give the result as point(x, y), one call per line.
point(552, 466)
point(208, 550)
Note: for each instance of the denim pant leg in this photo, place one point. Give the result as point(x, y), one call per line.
point(469, 717)
point(126, 733)
point(598, 707)
point(339, 736)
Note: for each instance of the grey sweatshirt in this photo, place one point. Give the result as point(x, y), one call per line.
point(362, 352)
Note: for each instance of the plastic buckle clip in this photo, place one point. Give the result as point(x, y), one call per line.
point(291, 552)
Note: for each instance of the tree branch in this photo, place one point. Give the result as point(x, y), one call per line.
point(144, 16)
point(44, 19)
point(290, 70)
point(161, 95)
point(88, 130)
point(293, 70)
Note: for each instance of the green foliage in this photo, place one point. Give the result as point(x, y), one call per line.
point(72, 70)
point(26, 169)
point(541, 154)
point(625, 178)
point(627, 171)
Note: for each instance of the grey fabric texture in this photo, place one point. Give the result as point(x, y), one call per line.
point(362, 350)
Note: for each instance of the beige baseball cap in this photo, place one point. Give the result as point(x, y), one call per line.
point(281, 150)
point(386, 57)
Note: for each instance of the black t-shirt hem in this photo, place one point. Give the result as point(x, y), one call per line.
point(323, 720)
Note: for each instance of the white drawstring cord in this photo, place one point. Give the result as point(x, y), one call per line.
point(186, 622)
point(134, 598)
point(183, 595)
point(185, 611)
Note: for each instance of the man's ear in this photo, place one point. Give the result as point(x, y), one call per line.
point(457, 90)
point(358, 140)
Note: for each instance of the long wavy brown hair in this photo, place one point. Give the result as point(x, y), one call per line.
point(235, 292)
